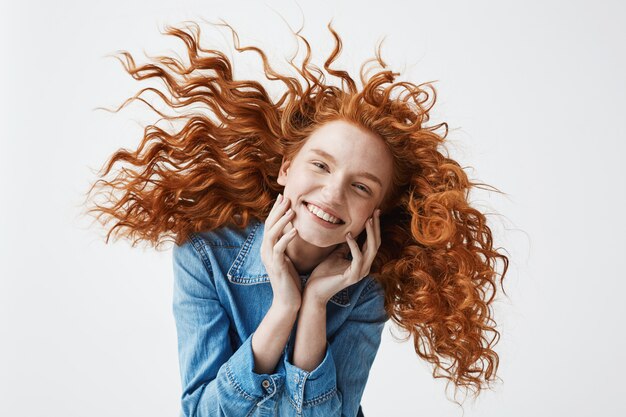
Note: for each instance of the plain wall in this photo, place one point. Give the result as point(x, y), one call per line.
point(533, 93)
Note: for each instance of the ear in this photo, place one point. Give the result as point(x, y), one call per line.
point(282, 173)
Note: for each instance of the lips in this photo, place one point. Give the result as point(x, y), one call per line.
point(325, 209)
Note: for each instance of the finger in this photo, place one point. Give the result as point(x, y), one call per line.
point(357, 258)
point(269, 238)
point(370, 247)
point(281, 245)
point(377, 227)
point(276, 230)
point(271, 233)
point(275, 212)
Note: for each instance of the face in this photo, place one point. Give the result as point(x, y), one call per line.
point(342, 170)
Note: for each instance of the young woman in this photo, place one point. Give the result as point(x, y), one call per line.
point(301, 225)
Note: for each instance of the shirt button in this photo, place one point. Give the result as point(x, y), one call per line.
point(265, 383)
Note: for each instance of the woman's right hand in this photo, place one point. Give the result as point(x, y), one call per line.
point(283, 275)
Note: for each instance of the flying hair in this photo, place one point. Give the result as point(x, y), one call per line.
point(436, 263)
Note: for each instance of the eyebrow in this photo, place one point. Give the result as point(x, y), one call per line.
point(362, 174)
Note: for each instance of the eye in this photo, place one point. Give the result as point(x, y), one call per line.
point(359, 186)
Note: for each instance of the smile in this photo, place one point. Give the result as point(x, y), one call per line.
point(322, 214)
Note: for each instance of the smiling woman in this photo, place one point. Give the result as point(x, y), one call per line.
point(331, 175)
point(300, 226)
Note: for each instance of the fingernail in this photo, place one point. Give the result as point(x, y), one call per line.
point(378, 213)
point(371, 221)
point(280, 197)
point(349, 235)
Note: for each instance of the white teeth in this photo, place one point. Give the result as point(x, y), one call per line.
point(322, 214)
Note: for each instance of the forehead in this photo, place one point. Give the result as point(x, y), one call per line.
point(345, 139)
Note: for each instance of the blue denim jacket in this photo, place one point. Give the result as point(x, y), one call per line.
point(221, 294)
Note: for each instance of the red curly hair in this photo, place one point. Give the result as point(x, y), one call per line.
point(436, 262)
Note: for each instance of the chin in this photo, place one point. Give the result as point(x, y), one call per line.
point(319, 238)
point(315, 239)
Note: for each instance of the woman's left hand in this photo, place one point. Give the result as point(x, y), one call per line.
point(336, 272)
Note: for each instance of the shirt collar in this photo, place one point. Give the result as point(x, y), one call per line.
point(248, 269)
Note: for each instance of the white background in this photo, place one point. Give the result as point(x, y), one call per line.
point(534, 95)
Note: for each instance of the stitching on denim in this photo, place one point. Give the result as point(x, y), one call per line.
point(219, 244)
point(250, 281)
point(318, 399)
point(342, 298)
point(245, 248)
point(231, 379)
point(274, 393)
point(240, 259)
point(293, 404)
point(196, 241)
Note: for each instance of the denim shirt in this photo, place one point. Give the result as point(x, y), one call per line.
point(221, 294)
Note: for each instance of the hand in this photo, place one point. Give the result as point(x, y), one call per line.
point(336, 272)
point(284, 277)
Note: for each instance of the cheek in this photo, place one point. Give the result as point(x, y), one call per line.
point(296, 185)
point(299, 182)
point(359, 220)
point(365, 216)
point(364, 213)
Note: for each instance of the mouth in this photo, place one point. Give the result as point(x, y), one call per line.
point(321, 217)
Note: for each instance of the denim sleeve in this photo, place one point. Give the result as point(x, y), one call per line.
point(216, 380)
point(336, 386)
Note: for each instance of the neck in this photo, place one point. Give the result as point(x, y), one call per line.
point(305, 256)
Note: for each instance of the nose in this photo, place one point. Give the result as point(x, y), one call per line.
point(333, 190)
